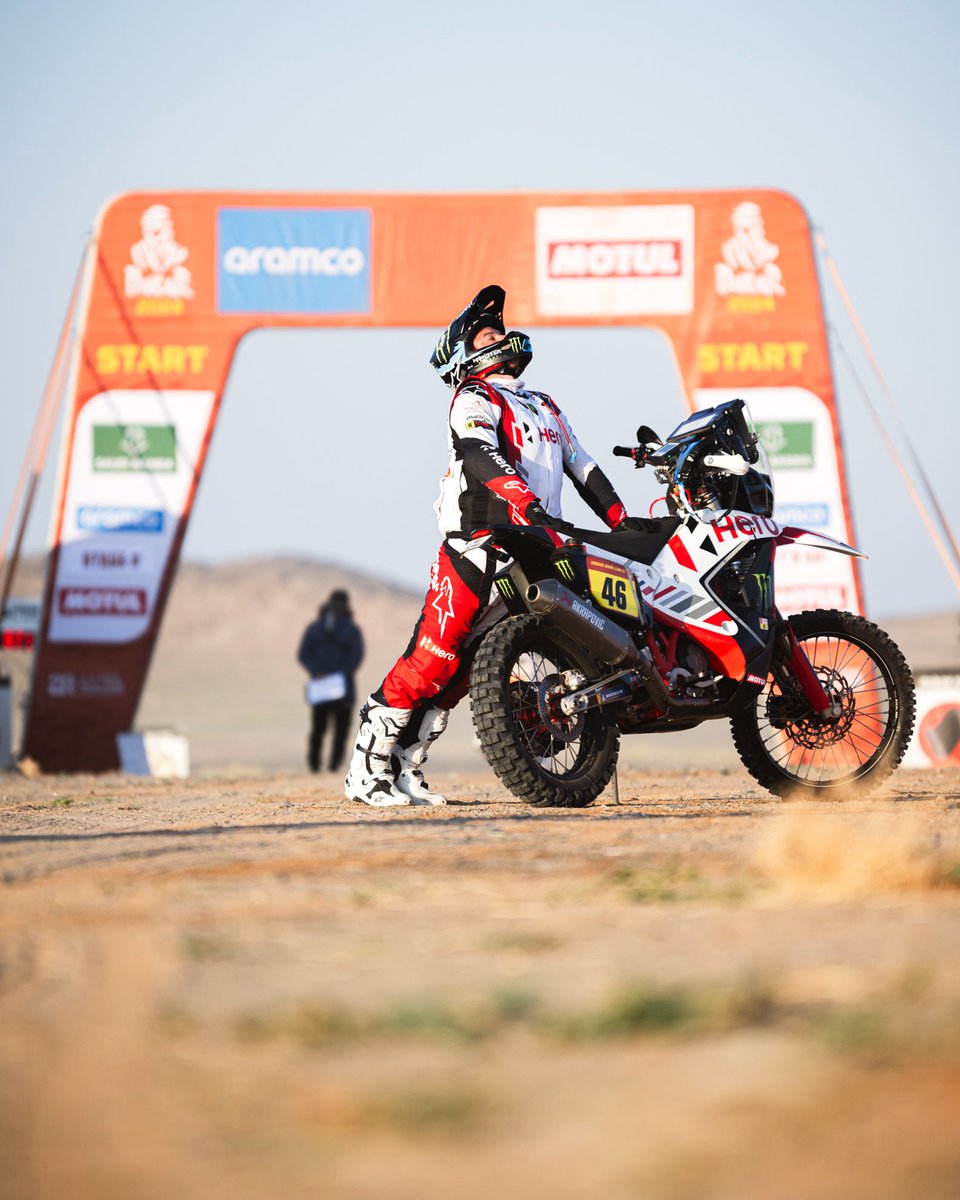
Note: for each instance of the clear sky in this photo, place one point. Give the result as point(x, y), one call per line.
point(331, 443)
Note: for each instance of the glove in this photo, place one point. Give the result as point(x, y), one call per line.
point(536, 514)
point(635, 524)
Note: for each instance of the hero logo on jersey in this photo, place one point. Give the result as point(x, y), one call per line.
point(615, 261)
point(293, 260)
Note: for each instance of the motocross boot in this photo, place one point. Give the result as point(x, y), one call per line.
point(410, 753)
point(370, 779)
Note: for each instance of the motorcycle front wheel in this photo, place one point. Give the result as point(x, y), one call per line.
point(793, 751)
point(542, 755)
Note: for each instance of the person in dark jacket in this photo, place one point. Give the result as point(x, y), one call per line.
point(330, 651)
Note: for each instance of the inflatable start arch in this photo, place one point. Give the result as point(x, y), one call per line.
point(175, 279)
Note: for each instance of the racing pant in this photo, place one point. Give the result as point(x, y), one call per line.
point(432, 670)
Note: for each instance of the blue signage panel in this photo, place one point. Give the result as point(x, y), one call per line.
point(105, 518)
point(293, 260)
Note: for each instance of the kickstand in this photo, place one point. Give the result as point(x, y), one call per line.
point(616, 787)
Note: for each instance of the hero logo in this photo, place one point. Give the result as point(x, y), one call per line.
point(749, 267)
point(102, 602)
point(615, 261)
point(293, 260)
point(737, 525)
point(499, 460)
point(431, 647)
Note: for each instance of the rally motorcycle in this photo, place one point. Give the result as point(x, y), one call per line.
point(673, 623)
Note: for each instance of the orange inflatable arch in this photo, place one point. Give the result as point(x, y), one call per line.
point(175, 279)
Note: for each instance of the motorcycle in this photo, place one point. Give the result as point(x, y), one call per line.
point(674, 622)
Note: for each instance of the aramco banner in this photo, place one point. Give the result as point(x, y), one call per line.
point(177, 278)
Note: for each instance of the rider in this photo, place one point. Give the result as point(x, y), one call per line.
point(509, 449)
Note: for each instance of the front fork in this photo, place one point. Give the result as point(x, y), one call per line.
point(799, 667)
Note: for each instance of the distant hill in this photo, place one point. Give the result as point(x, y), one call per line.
point(225, 669)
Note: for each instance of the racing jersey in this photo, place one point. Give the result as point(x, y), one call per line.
point(508, 447)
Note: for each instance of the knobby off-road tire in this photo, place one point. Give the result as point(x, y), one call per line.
point(860, 666)
point(514, 660)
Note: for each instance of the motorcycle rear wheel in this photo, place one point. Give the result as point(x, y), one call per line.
point(794, 753)
point(566, 763)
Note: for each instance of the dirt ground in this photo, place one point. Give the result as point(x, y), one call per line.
point(244, 986)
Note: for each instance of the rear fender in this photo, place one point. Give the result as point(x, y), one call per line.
point(793, 535)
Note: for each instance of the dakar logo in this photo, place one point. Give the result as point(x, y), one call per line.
point(749, 265)
point(156, 277)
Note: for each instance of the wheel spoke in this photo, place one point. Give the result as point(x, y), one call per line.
point(827, 752)
point(554, 755)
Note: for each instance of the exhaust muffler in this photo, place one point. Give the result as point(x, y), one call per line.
point(604, 639)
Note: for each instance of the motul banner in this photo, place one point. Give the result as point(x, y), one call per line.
point(176, 279)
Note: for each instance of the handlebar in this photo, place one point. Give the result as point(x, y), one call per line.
point(637, 453)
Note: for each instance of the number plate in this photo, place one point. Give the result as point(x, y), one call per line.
point(612, 587)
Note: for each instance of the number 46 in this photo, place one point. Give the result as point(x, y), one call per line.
point(614, 592)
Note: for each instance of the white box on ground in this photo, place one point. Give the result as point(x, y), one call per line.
point(158, 752)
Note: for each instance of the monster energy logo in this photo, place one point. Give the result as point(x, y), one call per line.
point(565, 568)
point(763, 587)
point(506, 587)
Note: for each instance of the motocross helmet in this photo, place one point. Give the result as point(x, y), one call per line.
point(454, 358)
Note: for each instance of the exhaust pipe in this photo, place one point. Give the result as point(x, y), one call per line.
point(607, 641)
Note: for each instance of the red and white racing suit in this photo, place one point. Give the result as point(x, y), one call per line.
point(509, 447)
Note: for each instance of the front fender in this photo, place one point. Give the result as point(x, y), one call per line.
point(793, 535)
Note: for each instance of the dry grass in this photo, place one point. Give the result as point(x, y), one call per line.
point(844, 854)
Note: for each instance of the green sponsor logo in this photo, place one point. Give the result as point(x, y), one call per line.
point(789, 444)
point(763, 588)
point(135, 448)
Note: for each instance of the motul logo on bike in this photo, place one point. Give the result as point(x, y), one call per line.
point(102, 602)
point(623, 260)
point(577, 260)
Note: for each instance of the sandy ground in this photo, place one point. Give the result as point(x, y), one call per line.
point(244, 986)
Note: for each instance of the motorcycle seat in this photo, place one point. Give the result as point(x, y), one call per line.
point(640, 545)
